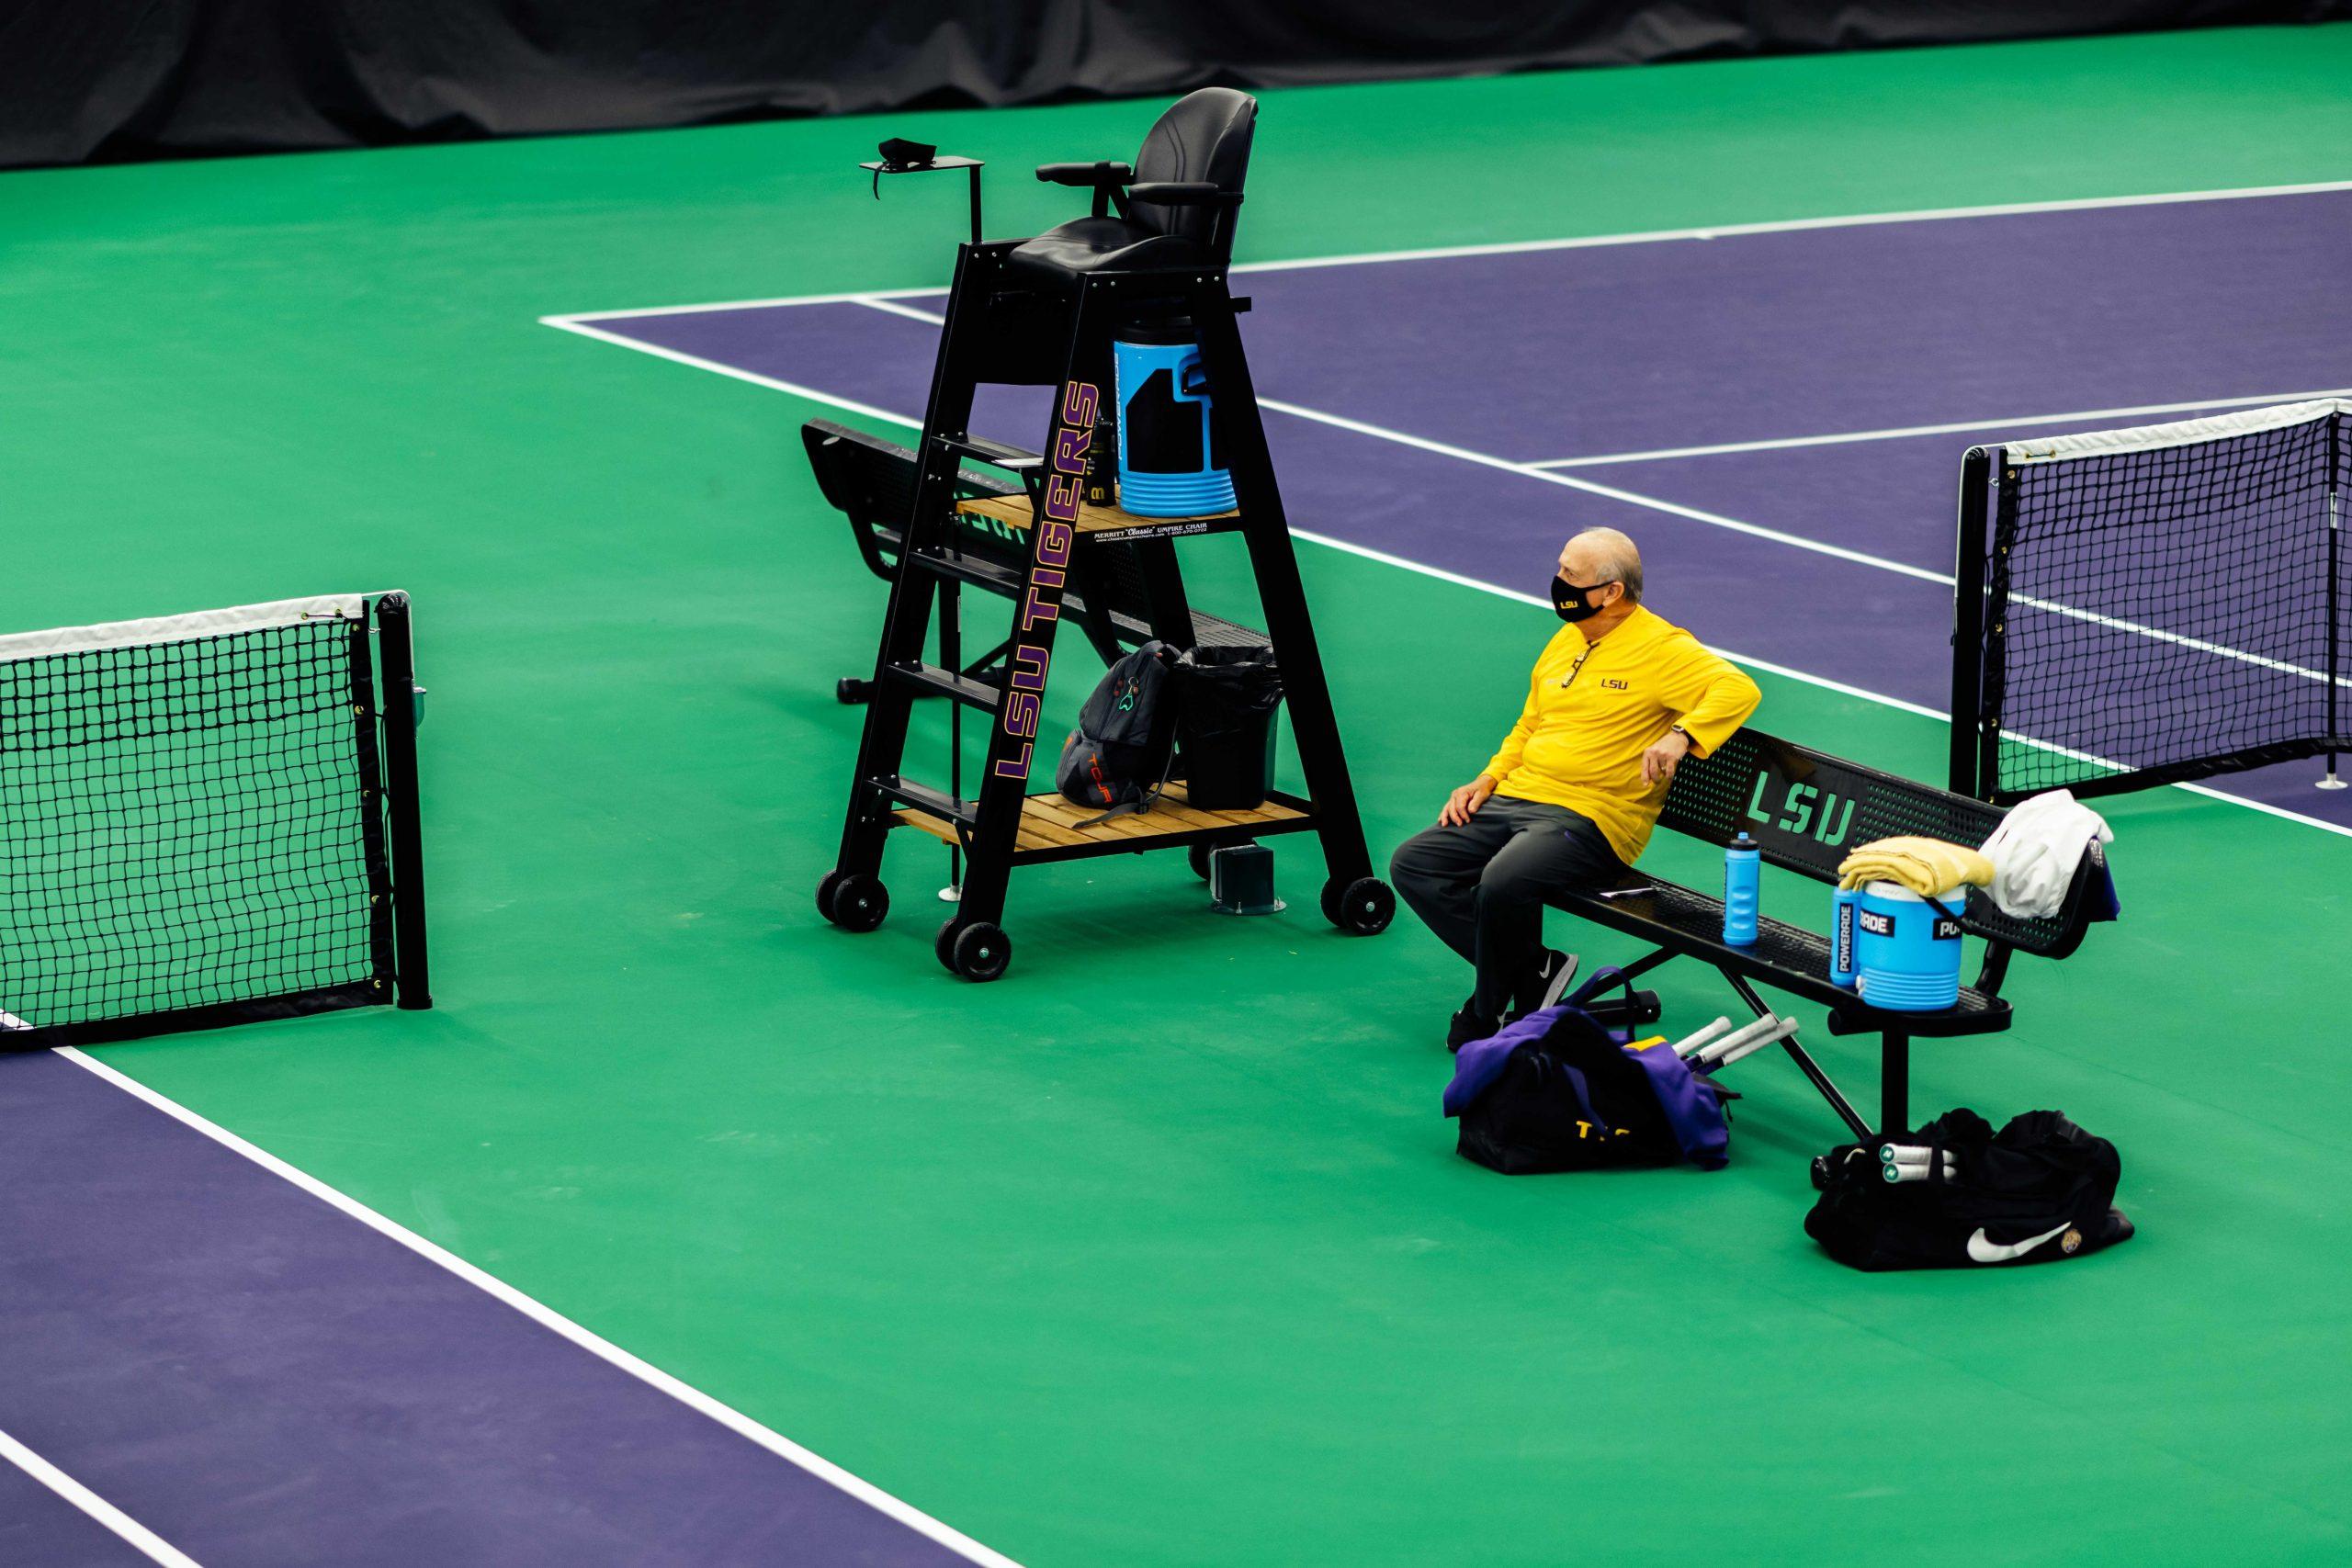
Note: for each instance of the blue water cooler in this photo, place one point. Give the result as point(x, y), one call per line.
point(1907, 949)
point(1169, 461)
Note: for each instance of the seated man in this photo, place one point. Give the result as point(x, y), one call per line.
point(1619, 696)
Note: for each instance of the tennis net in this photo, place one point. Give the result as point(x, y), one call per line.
point(2157, 604)
point(195, 823)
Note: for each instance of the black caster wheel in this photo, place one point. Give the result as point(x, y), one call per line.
point(982, 952)
point(942, 947)
point(1364, 905)
point(849, 689)
point(852, 900)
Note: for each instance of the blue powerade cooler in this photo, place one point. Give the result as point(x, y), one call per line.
point(1906, 950)
point(1169, 464)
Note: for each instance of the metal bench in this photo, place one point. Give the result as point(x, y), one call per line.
point(1808, 810)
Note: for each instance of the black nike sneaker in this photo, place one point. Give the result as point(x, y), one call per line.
point(1468, 1026)
point(1546, 984)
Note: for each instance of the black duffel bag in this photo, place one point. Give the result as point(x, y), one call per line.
point(1560, 1091)
point(2039, 1190)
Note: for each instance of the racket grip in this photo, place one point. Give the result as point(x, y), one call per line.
point(1690, 1042)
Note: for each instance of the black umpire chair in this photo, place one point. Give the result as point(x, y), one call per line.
point(1044, 311)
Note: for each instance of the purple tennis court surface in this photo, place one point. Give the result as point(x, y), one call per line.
point(260, 1379)
point(1492, 404)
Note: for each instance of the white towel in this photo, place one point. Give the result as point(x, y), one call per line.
point(2036, 849)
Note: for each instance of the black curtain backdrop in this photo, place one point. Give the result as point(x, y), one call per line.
point(91, 80)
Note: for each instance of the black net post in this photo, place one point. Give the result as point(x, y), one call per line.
point(1968, 620)
point(2334, 592)
point(1993, 607)
point(413, 983)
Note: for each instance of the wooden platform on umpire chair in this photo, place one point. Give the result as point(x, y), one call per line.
point(1050, 826)
point(1107, 524)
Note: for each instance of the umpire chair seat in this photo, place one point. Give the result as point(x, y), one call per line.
point(1173, 208)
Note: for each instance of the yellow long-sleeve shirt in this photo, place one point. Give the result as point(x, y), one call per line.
point(1593, 708)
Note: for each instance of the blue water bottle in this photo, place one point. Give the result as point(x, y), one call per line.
point(1743, 873)
point(1842, 962)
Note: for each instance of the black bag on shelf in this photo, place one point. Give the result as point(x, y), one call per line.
point(1119, 755)
point(2039, 1191)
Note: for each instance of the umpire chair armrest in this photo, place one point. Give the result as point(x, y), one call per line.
point(1085, 175)
point(1184, 193)
point(1107, 180)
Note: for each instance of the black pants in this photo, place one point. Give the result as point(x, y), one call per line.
point(1480, 886)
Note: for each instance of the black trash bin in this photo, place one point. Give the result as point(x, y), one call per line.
point(1226, 700)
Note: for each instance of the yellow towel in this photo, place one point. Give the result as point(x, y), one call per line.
point(1929, 867)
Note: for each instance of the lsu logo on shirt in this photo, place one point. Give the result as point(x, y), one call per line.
point(1612, 684)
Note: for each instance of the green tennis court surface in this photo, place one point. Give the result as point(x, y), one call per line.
point(1157, 1252)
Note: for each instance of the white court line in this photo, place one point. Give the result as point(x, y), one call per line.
point(890, 303)
point(567, 324)
point(2020, 423)
point(1717, 520)
point(152, 1546)
point(1786, 672)
point(546, 1317)
point(1515, 247)
point(1796, 541)
point(1808, 678)
point(1506, 464)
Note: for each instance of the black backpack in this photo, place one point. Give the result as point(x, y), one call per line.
point(1119, 755)
point(2039, 1191)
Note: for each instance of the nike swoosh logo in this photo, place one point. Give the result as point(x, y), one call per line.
point(1981, 1250)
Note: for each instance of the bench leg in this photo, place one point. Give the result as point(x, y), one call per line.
point(1894, 1083)
point(1805, 1064)
point(1647, 962)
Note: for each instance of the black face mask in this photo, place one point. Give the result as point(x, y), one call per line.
point(1570, 602)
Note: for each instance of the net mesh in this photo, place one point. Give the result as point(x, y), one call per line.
point(2169, 612)
point(186, 825)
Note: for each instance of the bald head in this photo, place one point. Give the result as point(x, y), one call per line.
point(1604, 555)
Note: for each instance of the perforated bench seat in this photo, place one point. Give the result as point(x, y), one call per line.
point(1808, 810)
point(1786, 957)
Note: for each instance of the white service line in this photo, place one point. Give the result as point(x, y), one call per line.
point(152, 1546)
point(875, 300)
point(569, 324)
point(1795, 541)
point(2022, 423)
point(1591, 487)
point(1506, 464)
point(556, 1323)
point(1716, 520)
point(1805, 677)
point(1526, 470)
point(1513, 247)
point(1799, 225)
point(889, 303)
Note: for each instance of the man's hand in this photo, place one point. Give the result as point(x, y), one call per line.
point(1657, 762)
point(1464, 803)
